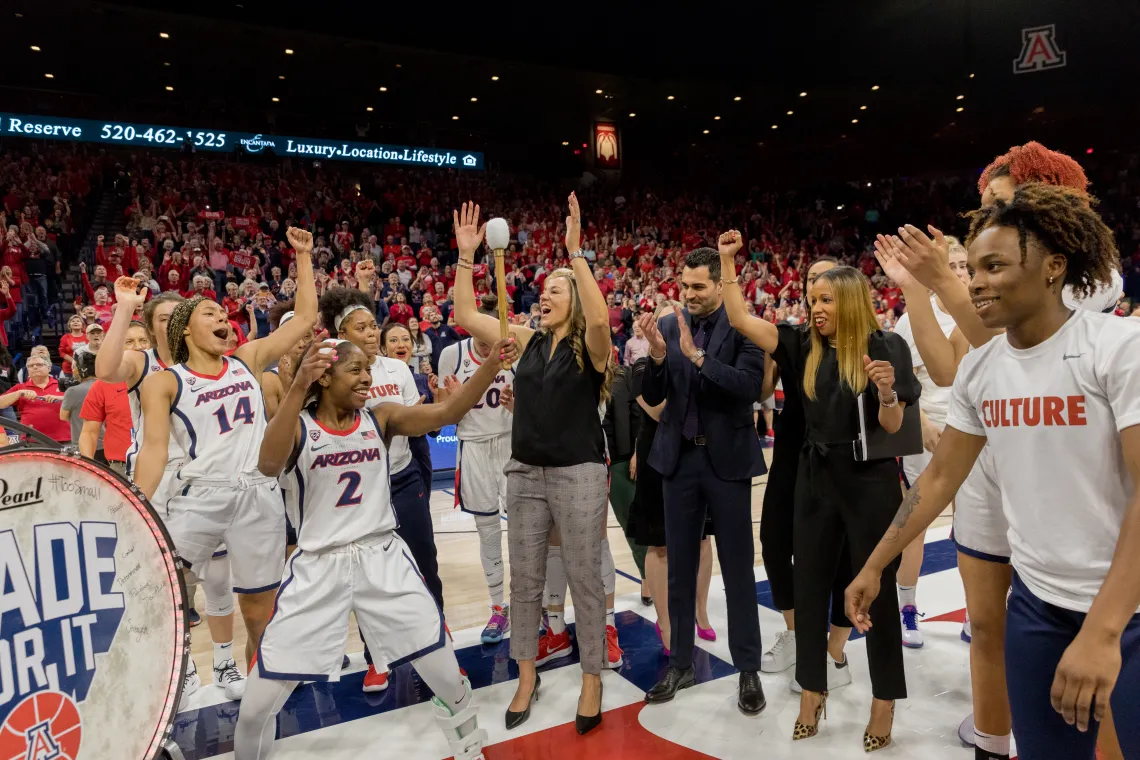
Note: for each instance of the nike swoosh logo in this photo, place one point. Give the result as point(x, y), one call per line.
point(1066, 357)
point(322, 446)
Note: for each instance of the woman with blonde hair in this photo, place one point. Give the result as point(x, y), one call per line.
point(843, 357)
point(557, 475)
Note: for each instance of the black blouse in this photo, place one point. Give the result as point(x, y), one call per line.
point(556, 421)
point(832, 418)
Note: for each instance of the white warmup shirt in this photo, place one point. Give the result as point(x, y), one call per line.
point(935, 398)
point(1053, 415)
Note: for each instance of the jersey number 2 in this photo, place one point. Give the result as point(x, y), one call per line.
point(243, 413)
point(350, 497)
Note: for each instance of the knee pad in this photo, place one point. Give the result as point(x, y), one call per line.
point(609, 574)
point(218, 586)
point(490, 531)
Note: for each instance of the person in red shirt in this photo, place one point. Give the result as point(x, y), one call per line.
point(615, 310)
point(74, 339)
point(400, 310)
point(7, 310)
point(38, 401)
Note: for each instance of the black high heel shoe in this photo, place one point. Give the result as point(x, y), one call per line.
point(587, 724)
point(516, 719)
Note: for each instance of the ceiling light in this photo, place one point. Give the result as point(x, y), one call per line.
point(669, 98)
point(564, 142)
point(632, 115)
point(494, 79)
point(854, 121)
point(288, 51)
point(455, 118)
point(276, 100)
point(716, 118)
point(706, 132)
point(584, 145)
point(36, 48)
point(868, 184)
point(50, 76)
point(1089, 151)
point(737, 98)
point(960, 97)
point(383, 89)
point(790, 113)
point(164, 35)
point(803, 94)
point(959, 109)
point(399, 66)
point(597, 92)
point(369, 109)
point(862, 108)
point(775, 126)
point(971, 76)
point(474, 100)
point(281, 77)
point(169, 88)
point(875, 87)
point(166, 63)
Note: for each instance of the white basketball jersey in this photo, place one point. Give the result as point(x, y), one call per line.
point(151, 365)
point(340, 479)
point(489, 418)
point(392, 383)
point(218, 421)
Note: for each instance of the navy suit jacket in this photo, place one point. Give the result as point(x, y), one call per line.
point(729, 383)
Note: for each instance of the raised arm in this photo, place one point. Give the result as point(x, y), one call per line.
point(940, 355)
point(925, 259)
point(468, 236)
point(113, 363)
point(158, 392)
point(598, 338)
point(284, 429)
point(926, 499)
point(260, 353)
point(760, 331)
point(421, 419)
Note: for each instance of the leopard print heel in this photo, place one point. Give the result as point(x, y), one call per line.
point(873, 743)
point(803, 731)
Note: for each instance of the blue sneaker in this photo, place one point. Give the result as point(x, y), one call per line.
point(498, 626)
point(967, 636)
point(911, 636)
point(193, 619)
point(344, 663)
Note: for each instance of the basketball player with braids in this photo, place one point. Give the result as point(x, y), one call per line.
point(213, 407)
point(350, 557)
point(348, 314)
point(917, 262)
point(484, 449)
point(132, 367)
point(1047, 400)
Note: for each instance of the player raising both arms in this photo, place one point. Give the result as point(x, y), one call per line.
point(349, 556)
point(213, 407)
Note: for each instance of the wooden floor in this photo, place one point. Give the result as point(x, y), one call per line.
point(466, 603)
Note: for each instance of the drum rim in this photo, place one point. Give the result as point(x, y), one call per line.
point(163, 729)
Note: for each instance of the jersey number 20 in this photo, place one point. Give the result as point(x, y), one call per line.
point(243, 414)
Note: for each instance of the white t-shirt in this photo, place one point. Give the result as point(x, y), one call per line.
point(935, 398)
point(1053, 415)
point(392, 382)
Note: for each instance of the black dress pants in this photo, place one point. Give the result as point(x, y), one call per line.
point(837, 497)
point(692, 489)
point(776, 531)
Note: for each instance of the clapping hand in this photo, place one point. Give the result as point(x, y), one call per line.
point(653, 335)
point(889, 253)
point(928, 260)
point(685, 335)
point(507, 399)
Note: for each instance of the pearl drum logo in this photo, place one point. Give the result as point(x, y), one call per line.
point(90, 607)
point(1039, 50)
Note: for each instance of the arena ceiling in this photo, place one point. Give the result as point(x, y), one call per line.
point(889, 84)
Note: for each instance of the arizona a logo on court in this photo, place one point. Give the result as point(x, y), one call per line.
point(1039, 50)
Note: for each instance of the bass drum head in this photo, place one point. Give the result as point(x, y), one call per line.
point(92, 624)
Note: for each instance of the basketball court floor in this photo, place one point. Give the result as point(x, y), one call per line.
point(337, 721)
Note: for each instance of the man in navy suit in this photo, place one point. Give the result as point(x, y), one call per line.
point(707, 451)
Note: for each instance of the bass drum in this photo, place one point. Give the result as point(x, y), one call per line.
point(93, 639)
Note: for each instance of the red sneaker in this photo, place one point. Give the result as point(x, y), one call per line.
point(553, 646)
point(374, 681)
point(613, 651)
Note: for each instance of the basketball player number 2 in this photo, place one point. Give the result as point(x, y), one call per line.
point(350, 497)
point(243, 413)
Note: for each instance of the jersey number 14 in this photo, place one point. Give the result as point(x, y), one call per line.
point(243, 415)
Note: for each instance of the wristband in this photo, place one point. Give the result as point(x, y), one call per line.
point(892, 403)
point(658, 358)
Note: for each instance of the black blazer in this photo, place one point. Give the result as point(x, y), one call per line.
point(729, 379)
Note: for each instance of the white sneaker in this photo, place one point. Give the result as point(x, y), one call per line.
point(967, 634)
point(911, 635)
point(966, 731)
point(190, 684)
point(782, 655)
point(838, 674)
point(228, 677)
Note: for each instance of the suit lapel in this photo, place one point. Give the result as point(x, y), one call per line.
point(717, 336)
